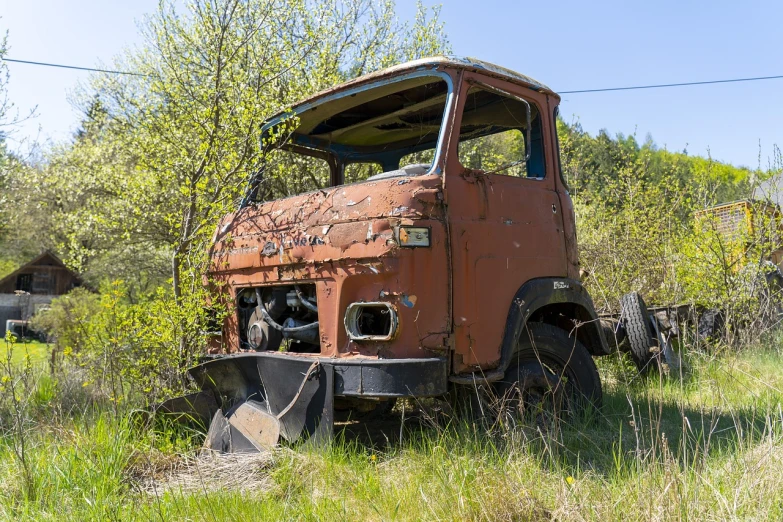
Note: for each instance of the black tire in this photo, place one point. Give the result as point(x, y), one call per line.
point(554, 369)
point(640, 336)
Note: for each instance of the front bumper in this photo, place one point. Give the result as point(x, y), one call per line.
point(244, 374)
point(250, 400)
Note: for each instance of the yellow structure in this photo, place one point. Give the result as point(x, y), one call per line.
point(749, 218)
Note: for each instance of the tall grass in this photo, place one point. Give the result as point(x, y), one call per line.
point(704, 445)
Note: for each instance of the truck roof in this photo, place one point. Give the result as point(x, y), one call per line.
point(433, 63)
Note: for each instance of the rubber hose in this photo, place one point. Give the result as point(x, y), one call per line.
point(307, 304)
point(271, 322)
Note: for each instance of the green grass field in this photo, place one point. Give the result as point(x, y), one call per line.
point(707, 445)
point(37, 352)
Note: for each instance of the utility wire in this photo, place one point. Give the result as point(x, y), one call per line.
point(72, 67)
point(663, 85)
point(582, 91)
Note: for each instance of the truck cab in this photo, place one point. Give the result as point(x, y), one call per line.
point(430, 244)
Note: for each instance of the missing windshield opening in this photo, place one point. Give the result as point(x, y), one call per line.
point(358, 135)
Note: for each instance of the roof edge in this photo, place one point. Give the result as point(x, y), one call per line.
point(421, 63)
point(40, 256)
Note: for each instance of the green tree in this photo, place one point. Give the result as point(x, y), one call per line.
point(12, 250)
point(207, 77)
point(165, 152)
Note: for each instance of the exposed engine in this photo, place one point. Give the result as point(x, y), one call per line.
point(287, 317)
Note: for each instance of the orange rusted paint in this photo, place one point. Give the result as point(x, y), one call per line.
point(350, 252)
point(489, 234)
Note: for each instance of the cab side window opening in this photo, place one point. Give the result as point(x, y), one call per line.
point(493, 135)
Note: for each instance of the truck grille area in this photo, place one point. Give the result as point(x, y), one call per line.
point(278, 318)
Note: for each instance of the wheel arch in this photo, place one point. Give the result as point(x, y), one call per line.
point(561, 302)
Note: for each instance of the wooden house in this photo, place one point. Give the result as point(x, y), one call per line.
point(33, 286)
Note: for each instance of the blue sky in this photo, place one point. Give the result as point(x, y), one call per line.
point(567, 45)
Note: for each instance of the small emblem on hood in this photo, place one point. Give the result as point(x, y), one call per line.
point(269, 249)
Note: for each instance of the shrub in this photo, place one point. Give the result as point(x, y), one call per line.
point(130, 352)
point(64, 320)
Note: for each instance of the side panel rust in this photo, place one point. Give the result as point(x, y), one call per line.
point(505, 230)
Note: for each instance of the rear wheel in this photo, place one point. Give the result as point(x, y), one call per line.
point(551, 373)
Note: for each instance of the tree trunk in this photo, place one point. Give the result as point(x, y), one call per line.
point(175, 275)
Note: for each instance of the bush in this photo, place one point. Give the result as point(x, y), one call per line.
point(640, 229)
point(130, 351)
point(64, 320)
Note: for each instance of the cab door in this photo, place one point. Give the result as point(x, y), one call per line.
point(504, 214)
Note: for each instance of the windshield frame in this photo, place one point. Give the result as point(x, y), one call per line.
point(342, 156)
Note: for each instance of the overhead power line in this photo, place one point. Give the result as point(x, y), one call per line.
point(28, 62)
point(580, 91)
point(664, 85)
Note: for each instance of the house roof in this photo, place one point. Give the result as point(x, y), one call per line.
point(36, 261)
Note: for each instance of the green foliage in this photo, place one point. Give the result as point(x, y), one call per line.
point(638, 209)
point(7, 266)
point(626, 228)
point(130, 351)
point(66, 317)
point(502, 152)
point(161, 156)
point(12, 251)
point(590, 164)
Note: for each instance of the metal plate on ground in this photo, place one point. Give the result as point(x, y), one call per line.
point(254, 423)
point(200, 407)
point(219, 434)
point(301, 394)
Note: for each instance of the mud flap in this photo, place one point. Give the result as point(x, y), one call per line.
point(310, 408)
point(262, 399)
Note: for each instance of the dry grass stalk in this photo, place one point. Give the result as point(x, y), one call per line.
point(209, 472)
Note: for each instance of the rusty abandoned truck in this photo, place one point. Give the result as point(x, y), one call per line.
point(453, 265)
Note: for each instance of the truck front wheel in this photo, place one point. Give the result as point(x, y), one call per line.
point(550, 373)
